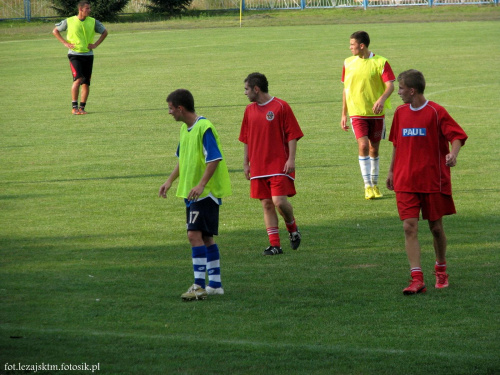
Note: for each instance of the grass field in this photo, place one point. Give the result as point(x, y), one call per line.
point(93, 262)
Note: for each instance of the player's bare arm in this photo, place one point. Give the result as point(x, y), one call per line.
point(99, 41)
point(59, 37)
point(195, 192)
point(390, 179)
point(378, 107)
point(168, 184)
point(343, 120)
point(451, 158)
point(290, 163)
point(246, 163)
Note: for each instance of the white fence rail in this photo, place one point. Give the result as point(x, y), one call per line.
point(28, 9)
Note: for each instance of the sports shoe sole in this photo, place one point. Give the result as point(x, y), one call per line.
point(410, 292)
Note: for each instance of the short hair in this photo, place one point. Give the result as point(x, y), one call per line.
point(361, 37)
point(413, 79)
point(181, 97)
point(259, 80)
point(81, 4)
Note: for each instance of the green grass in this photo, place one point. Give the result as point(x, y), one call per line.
point(93, 263)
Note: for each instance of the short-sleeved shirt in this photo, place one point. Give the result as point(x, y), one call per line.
point(421, 137)
point(266, 130)
point(63, 26)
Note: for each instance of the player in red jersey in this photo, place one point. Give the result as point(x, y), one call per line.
point(420, 172)
point(270, 133)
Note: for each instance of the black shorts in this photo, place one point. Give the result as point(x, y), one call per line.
point(81, 67)
point(203, 216)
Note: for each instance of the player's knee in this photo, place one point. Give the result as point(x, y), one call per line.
point(410, 228)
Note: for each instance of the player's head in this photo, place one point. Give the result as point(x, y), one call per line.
point(259, 80)
point(413, 79)
point(83, 4)
point(361, 37)
point(181, 97)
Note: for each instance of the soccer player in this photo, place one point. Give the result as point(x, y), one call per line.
point(81, 31)
point(420, 172)
point(270, 133)
point(203, 182)
point(368, 83)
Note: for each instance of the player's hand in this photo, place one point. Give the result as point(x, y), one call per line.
point(246, 169)
point(378, 107)
point(91, 46)
point(289, 166)
point(390, 182)
point(195, 193)
point(451, 160)
point(344, 124)
point(163, 190)
point(69, 45)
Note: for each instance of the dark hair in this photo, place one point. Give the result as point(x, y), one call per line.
point(413, 79)
point(259, 80)
point(81, 4)
point(361, 37)
point(181, 97)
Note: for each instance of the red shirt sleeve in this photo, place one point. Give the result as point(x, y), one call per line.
point(388, 74)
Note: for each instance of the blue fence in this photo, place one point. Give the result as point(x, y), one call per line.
point(28, 9)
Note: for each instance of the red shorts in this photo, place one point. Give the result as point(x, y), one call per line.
point(433, 205)
point(373, 128)
point(274, 186)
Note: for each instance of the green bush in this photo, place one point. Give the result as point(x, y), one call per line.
point(172, 8)
point(102, 10)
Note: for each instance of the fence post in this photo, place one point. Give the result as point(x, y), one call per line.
point(431, 3)
point(27, 10)
point(365, 4)
point(303, 4)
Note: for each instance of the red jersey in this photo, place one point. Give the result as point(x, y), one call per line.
point(266, 130)
point(421, 137)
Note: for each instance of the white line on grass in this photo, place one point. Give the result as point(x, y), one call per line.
point(310, 347)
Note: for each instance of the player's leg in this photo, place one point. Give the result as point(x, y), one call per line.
point(360, 127)
point(376, 134)
point(365, 165)
point(76, 71)
point(409, 205)
point(213, 267)
point(375, 168)
point(75, 91)
point(199, 258)
point(412, 247)
point(84, 94)
point(436, 206)
point(272, 226)
point(440, 244)
point(87, 66)
point(196, 224)
point(281, 188)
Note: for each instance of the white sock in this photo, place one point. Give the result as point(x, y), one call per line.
point(365, 165)
point(375, 167)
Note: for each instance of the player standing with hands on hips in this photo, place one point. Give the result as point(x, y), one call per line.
point(420, 172)
point(81, 31)
point(270, 133)
point(203, 182)
point(368, 83)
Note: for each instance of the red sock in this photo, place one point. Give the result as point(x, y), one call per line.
point(416, 273)
point(440, 266)
point(291, 227)
point(274, 236)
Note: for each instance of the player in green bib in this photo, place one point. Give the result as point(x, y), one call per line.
point(368, 83)
point(81, 30)
point(203, 182)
